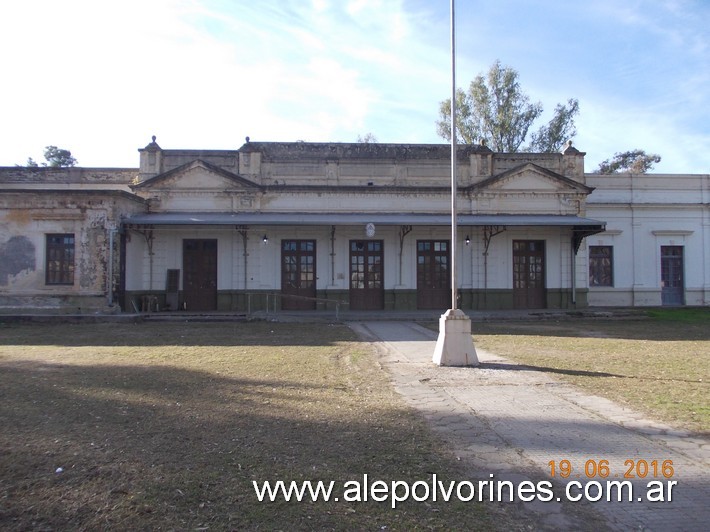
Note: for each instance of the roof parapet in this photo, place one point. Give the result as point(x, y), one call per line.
point(151, 161)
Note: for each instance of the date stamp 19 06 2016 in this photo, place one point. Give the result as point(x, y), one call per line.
point(632, 468)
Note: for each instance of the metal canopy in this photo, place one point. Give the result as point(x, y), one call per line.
point(585, 225)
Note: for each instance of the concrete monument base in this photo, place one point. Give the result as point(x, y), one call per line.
point(454, 347)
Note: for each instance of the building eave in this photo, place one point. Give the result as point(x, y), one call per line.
point(392, 219)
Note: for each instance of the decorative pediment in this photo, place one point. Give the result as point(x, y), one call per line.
point(528, 178)
point(198, 175)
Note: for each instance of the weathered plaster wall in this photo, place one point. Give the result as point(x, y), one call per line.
point(27, 216)
point(357, 164)
point(46, 177)
point(643, 213)
point(17, 255)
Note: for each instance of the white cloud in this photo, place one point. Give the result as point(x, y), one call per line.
point(609, 128)
point(100, 78)
point(320, 5)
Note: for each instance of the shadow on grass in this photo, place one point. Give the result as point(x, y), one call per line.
point(145, 447)
point(169, 448)
point(666, 326)
point(578, 372)
point(654, 329)
point(172, 334)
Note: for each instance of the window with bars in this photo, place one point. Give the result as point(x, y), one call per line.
point(60, 259)
point(601, 266)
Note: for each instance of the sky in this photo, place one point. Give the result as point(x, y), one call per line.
point(99, 78)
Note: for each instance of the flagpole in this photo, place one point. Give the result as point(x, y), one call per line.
point(454, 286)
point(454, 346)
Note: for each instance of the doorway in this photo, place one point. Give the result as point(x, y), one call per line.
point(672, 275)
point(367, 275)
point(529, 274)
point(298, 274)
point(199, 258)
point(433, 276)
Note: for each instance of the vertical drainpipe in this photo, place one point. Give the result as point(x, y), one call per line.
point(574, 273)
point(246, 261)
point(109, 273)
point(332, 255)
point(243, 231)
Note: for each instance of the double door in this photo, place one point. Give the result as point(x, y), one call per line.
point(529, 274)
point(672, 285)
point(298, 274)
point(433, 274)
point(367, 275)
point(199, 259)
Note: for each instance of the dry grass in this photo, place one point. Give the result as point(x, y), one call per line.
point(165, 426)
point(660, 365)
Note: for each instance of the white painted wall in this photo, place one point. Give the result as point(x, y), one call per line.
point(644, 213)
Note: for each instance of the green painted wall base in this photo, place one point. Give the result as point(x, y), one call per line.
point(394, 300)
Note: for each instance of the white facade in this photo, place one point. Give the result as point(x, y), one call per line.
point(644, 214)
point(285, 224)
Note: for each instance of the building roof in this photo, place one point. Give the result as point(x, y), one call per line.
point(258, 218)
point(358, 150)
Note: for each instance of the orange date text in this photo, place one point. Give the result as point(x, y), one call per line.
point(636, 468)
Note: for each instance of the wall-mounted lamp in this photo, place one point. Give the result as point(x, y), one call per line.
point(468, 240)
point(265, 239)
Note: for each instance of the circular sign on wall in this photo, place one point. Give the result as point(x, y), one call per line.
point(370, 230)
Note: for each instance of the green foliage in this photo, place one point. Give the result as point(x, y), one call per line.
point(57, 157)
point(367, 138)
point(633, 161)
point(54, 157)
point(685, 315)
point(550, 138)
point(496, 112)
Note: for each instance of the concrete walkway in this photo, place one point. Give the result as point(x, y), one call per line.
point(503, 419)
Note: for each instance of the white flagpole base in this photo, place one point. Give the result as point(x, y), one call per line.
point(454, 347)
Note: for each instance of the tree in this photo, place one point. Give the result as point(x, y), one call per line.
point(368, 138)
point(551, 137)
point(633, 161)
point(496, 112)
point(57, 157)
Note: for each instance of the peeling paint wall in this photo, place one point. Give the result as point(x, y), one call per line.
point(643, 213)
point(82, 202)
point(20, 176)
point(17, 255)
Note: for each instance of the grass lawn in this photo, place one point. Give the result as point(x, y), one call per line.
point(164, 426)
point(659, 365)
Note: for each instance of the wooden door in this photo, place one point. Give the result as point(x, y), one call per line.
point(298, 274)
point(200, 278)
point(672, 285)
point(433, 275)
point(529, 274)
point(367, 275)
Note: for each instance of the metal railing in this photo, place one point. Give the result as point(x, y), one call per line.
point(275, 297)
point(269, 302)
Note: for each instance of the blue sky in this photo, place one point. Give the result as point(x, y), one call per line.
point(99, 78)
